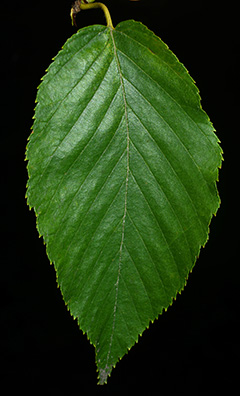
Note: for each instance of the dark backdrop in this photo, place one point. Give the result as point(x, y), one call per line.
point(194, 347)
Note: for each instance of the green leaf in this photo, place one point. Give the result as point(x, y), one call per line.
point(122, 164)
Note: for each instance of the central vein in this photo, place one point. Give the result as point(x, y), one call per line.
point(126, 192)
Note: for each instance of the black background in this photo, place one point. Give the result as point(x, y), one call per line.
point(194, 346)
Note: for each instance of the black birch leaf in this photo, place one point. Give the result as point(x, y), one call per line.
point(122, 164)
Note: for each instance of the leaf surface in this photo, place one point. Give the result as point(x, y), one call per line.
point(122, 164)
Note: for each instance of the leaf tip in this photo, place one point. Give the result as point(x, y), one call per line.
point(103, 375)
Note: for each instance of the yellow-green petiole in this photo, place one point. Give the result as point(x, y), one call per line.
point(88, 5)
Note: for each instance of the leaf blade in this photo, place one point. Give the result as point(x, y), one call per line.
point(124, 198)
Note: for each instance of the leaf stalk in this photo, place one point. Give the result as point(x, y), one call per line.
point(79, 5)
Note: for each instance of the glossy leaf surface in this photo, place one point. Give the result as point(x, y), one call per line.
point(123, 164)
